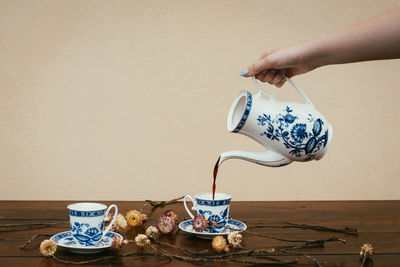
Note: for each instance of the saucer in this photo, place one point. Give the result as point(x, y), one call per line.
point(210, 232)
point(67, 241)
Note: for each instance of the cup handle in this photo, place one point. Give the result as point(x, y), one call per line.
point(186, 207)
point(113, 219)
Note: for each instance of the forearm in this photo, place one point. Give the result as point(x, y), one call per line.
point(372, 39)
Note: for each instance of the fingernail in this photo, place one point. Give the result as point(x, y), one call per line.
point(264, 71)
point(244, 73)
point(273, 71)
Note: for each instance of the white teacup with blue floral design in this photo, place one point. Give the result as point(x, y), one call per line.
point(87, 222)
point(216, 209)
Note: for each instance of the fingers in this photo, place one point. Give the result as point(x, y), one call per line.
point(258, 66)
point(273, 76)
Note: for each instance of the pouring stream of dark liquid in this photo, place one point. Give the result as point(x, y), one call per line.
point(215, 176)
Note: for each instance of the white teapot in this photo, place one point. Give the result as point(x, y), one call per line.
point(289, 131)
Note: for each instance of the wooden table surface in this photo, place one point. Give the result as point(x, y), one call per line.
point(378, 223)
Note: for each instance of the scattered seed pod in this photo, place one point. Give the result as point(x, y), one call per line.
point(133, 217)
point(219, 243)
point(212, 223)
point(199, 223)
point(172, 214)
point(142, 240)
point(166, 225)
point(235, 239)
point(144, 217)
point(152, 232)
point(48, 248)
point(366, 251)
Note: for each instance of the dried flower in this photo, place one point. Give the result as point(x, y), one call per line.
point(152, 232)
point(226, 249)
point(366, 251)
point(235, 239)
point(212, 223)
point(48, 248)
point(116, 242)
point(172, 214)
point(144, 217)
point(141, 240)
point(120, 225)
point(166, 225)
point(219, 243)
point(199, 223)
point(134, 218)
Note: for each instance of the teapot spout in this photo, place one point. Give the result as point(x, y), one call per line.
point(266, 158)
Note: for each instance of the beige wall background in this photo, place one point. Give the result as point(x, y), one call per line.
point(127, 100)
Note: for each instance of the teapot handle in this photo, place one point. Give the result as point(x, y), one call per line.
point(272, 96)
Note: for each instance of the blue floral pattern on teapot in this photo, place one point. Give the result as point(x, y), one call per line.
point(295, 136)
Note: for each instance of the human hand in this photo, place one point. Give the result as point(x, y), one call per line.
point(274, 64)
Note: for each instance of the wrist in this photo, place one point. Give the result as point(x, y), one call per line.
point(312, 54)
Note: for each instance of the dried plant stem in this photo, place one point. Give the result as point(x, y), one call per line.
point(318, 242)
point(162, 203)
point(188, 251)
point(27, 243)
point(345, 230)
point(218, 258)
point(364, 260)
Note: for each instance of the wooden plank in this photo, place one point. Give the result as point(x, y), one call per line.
point(325, 260)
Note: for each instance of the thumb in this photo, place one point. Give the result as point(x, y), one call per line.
point(258, 66)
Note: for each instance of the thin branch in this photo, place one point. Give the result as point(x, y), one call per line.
point(188, 251)
point(345, 230)
point(27, 243)
point(319, 242)
point(156, 204)
point(215, 259)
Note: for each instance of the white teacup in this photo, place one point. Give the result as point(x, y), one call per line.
point(87, 221)
point(212, 209)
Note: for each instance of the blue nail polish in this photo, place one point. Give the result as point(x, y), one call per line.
point(264, 71)
point(244, 73)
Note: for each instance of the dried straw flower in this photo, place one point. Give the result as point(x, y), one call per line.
point(366, 251)
point(144, 217)
point(48, 248)
point(141, 240)
point(172, 214)
point(166, 225)
point(199, 223)
point(219, 243)
point(134, 218)
point(120, 225)
point(235, 239)
point(152, 232)
point(116, 242)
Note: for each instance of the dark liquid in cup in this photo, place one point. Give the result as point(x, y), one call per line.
point(215, 176)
